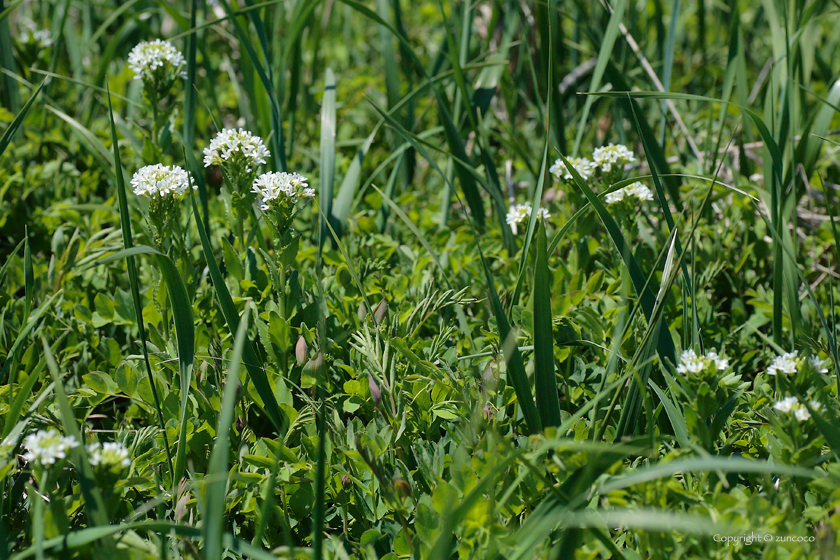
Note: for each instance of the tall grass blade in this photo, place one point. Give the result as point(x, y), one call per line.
point(217, 471)
point(327, 175)
point(545, 383)
point(28, 277)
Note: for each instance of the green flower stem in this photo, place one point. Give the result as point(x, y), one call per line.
point(240, 228)
point(155, 131)
point(282, 289)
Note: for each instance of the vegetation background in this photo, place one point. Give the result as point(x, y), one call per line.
point(405, 374)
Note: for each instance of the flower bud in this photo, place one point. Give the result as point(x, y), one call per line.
point(301, 351)
point(362, 312)
point(375, 393)
point(402, 487)
point(316, 366)
point(381, 312)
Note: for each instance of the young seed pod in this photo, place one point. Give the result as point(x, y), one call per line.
point(488, 378)
point(301, 351)
point(375, 393)
point(381, 312)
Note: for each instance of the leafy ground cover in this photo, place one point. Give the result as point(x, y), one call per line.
point(348, 279)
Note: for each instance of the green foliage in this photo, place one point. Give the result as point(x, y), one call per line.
point(474, 343)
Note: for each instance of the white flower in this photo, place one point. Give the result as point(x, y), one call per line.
point(522, 212)
point(786, 363)
point(160, 180)
point(615, 196)
point(274, 186)
point(583, 166)
point(787, 404)
point(801, 414)
point(149, 56)
point(614, 154)
point(816, 363)
point(229, 142)
point(636, 189)
point(690, 362)
point(640, 191)
point(43, 37)
point(40, 36)
point(108, 454)
point(46, 447)
point(720, 363)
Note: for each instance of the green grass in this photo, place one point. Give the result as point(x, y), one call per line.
point(399, 366)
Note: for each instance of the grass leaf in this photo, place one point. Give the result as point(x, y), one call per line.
point(545, 384)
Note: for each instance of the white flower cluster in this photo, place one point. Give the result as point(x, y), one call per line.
point(690, 362)
point(46, 447)
point(108, 454)
point(42, 37)
point(786, 363)
point(792, 404)
point(583, 166)
point(160, 181)
point(636, 189)
point(521, 212)
point(278, 186)
point(230, 142)
point(613, 154)
point(147, 57)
